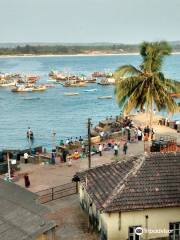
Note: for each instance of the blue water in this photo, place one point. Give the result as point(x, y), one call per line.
point(52, 111)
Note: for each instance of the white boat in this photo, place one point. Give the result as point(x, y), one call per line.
point(39, 88)
point(71, 94)
point(90, 90)
point(22, 89)
point(105, 97)
point(51, 80)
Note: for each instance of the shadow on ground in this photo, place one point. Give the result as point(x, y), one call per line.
point(72, 221)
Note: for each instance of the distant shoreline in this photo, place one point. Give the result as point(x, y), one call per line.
point(67, 55)
point(75, 55)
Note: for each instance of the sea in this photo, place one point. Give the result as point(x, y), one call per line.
point(51, 112)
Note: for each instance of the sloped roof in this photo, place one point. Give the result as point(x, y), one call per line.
point(149, 181)
point(21, 216)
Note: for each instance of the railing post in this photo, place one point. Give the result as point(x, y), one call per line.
point(52, 193)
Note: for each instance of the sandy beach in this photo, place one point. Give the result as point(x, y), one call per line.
point(75, 55)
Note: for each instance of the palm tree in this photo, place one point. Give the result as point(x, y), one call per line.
point(147, 86)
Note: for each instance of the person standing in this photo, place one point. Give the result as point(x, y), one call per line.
point(29, 133)
point(80, 139)
point(26, 181)
point(147, 131)
point(26, 156)
point(100, 149)
point(125, 147)
point(64, 155)
point(83, 148)
point(139, 134)
point(53, 158)
point(115, 149)
point(152, 134)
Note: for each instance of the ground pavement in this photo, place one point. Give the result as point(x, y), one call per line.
point(72, 221)
point(46, 176)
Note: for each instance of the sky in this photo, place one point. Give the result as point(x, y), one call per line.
point(87, 21)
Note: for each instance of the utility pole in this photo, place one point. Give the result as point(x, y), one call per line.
point(89, 142)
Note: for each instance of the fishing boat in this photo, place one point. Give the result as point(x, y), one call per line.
point(107, 82)
point(32, 78)
point(74, 84)
point(57, 76)
point(39, 88)
point(90, 80)
point(90, 90)
point(5, 83)
point(105, 97)
point(71, 94)
point(98, 74)
point(22, 88)
point(58, 82)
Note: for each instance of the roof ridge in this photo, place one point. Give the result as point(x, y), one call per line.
point(121, 185)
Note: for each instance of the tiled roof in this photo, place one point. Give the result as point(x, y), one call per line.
point(149, 181)
point(21, 216)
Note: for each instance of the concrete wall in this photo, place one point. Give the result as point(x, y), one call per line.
point(116, 225)
point(119, 223)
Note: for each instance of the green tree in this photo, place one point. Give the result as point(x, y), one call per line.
point(147, 86)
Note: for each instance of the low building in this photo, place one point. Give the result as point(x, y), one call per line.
point(21, 216)
point(143, 192)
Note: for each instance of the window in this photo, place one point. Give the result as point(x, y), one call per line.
point(132, 234)
point(175, 234)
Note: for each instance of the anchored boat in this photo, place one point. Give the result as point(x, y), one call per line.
point(74, 84)
point(6, 83)
point(90, 90)
point(105, 97)
point(71, 94)
point(39, 88)
point(22, 88)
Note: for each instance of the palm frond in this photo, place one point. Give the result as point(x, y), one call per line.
point(126, 71)
point(125, 88)
point(147, 87)
point(153, 55)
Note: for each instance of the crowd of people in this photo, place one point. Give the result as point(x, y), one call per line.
point(73, 149)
